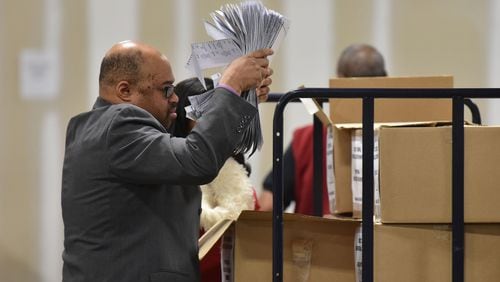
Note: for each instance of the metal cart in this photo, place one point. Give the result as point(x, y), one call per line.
point(459, 96)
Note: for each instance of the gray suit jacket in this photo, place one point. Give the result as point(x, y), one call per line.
point(130, 195)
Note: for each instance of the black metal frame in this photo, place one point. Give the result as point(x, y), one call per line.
point(317, 155)
point(368, 95)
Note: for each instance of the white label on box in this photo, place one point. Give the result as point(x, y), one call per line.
point(358, 254)
point(330, 172)
point(357, 173)
point(227, 255)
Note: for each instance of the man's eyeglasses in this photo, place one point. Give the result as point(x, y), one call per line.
point(168, 91)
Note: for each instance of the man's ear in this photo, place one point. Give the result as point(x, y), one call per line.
point(123, 91)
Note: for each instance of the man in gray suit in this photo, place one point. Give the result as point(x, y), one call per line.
point(130, 195)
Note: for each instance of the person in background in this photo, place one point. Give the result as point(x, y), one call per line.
point(361, 60)
point(228, 194)
point(357, 60)
point(130, 190)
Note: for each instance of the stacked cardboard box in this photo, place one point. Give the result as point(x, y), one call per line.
point(412, 240)
point(343, 110)
point(386, 110)
point(402, 252)
point(331, 252)
point(415, 171)
point(314, 248)
point(422, 252)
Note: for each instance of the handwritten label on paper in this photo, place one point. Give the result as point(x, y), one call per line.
point(211, 54)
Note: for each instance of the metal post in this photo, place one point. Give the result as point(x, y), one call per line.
point(278, 190)
point(318, 167)
point(458, 189)
point(367, 241)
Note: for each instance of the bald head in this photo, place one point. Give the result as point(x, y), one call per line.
point(138, 74)
point(120, 63)
point(123, 62)
point(360, 60)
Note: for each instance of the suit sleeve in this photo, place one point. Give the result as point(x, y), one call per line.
point(140, 151)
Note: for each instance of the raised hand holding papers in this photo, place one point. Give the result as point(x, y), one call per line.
point(238, 29)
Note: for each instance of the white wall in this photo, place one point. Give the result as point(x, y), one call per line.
point(417, 37)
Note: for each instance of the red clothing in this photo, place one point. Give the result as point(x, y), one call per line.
point(302, 149)
point(210, 270)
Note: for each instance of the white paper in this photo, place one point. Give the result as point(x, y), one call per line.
point(330, 170)
point(39, 74)
point(216, 78)
point(310, 106)
point(213, 32)
point(239, 29)
point(211, 54)
point(214, 53)
point(357, 173)
point(358, 254)
point(199, 104)
point(227, 255)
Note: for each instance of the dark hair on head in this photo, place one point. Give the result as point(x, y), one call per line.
point(184, 89)
point(121, 66)
point(361, 60)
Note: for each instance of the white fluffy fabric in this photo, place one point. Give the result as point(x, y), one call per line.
point(227, 195)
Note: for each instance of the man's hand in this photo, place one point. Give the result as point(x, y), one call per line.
point(263, 90)
point(250, 71)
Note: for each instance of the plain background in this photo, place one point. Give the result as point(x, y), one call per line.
point(68, 39)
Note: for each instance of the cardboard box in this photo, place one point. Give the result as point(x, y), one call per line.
point(402, 252)
point(415, 253)
point(386, 110)
point(392, 110)
point(342, 147)
point(415, 172)
point(332, 253)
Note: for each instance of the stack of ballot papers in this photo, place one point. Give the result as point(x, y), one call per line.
point(237, 29)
